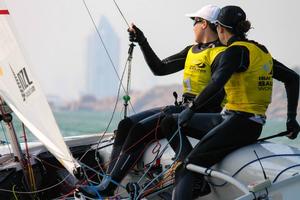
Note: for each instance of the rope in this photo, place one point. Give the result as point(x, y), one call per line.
point(112, 116)
point(103, 175)
point(36, 191)
point(120, 79)
point(14, 192)
point(121, 13)
point(163, 172)
point(27, 162)
point(102, 41)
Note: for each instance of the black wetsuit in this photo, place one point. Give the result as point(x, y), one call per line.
point(137, 131)
point(221, 134)
point(163, 67)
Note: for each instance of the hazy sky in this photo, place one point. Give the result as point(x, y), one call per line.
point(54, 34)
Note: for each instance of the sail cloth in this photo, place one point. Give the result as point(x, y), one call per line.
point(23, 94)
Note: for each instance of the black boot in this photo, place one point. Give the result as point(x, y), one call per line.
point(104, 189)
point(109, 183)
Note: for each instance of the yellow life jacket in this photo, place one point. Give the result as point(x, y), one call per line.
point(251, 91)
point(197, 69)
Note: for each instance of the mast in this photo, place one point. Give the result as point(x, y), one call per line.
point(15, 144)
point(7, 118)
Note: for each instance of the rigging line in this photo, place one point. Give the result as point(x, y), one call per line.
point(114, 110)
point(15, 195)
point(177, 157)
point(105, 131)
point(37, 191)
point(251, 162)
point(103, 175)
point(121, 13)
point(120, 79)
point(115, 106)
point(133, 145)
point(160, 154)
point(102, 42)
point(27, 161)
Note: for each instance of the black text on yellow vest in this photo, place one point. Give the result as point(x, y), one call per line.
point(251, 91)
point(197, 69)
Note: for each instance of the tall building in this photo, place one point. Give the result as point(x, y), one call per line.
point(101, 78)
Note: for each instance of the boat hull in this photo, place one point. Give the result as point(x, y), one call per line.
point(281, 164)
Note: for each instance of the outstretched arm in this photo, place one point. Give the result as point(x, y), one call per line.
point(158, 67)
point(291, 83)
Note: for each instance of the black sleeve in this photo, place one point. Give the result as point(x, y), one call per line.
point(235, 59)
point(166, 66)
point(216, 62)
point(291, 83)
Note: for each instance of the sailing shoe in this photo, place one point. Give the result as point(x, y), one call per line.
point(92, 192)
point(104, 189)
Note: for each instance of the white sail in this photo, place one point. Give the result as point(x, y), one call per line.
point(23, 94)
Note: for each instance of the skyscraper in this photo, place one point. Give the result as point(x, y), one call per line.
point(101, 78)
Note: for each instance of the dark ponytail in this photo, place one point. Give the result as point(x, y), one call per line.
point(242, 28)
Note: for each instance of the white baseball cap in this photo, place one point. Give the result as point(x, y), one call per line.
point(208, 12)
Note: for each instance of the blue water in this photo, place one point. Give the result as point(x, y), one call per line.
point(273, 127)
point(88, 122)
point(72, 123)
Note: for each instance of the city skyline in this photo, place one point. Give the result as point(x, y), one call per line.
point(101, 80)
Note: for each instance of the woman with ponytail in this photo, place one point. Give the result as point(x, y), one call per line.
point(246, 71)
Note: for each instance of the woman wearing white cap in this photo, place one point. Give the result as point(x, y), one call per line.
point(245, 71)
point(198, 62)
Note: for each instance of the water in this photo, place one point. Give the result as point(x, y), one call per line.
point(88, 122)
point(273, 127)
point(85, 122)
point(72, 123)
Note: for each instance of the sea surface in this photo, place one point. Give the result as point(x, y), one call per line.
point(88, 122)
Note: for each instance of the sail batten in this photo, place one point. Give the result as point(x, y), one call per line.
point(23, 94)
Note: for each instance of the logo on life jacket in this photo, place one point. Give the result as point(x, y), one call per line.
point(200, 65)
point(265, 82)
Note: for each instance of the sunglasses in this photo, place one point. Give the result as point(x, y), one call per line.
point(197, 20)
